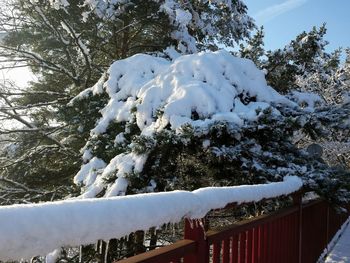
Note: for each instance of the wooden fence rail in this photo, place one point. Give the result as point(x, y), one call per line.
point(298, 234)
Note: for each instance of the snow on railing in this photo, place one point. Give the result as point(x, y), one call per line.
point(37, 229)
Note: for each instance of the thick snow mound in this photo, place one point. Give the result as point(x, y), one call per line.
point(156, 94)
point(194, 89)
point(30, 230)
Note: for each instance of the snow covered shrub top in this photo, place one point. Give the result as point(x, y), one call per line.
point(202, 119)
point(194, 89)
point(153, 94)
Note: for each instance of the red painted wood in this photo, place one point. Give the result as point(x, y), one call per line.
point(234, 249)
point(314, 231)
point(291, 239)
point(275, 241)
point(164, 254)
point(295, 237)
point(226, 250)
point(270, 243)
point(264, 244)
point(274, 238)
point(256, 245)
point(250, 240)
point(281, 237)
point(217, 235)
point(242, 247)
point(216, 252)
point(196, 232)
point(285, 239)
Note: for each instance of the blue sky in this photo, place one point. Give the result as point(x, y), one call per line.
point(284, 19)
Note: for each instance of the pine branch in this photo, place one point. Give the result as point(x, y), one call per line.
point(38, 105)
point(13, 52)
point(31, 126)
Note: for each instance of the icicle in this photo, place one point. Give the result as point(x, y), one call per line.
point(81, 254)
point(100, 249)
point(197, 223)
point(174, 229)
point(191, 223)
point(201, 224)
point(96, 246)
point(106, 253)
point(178, 226)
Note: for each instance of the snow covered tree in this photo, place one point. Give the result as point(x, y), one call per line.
point(303, 69)
point(35, 37)
point(342, 90)
point(171, 125)
point(193, 25)
point(69, 44)
point(172, 117)
point(338, 149)
point(254, 48)
point(207, 119)
point(304, 56)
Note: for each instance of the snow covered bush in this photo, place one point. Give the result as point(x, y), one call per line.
point(199, 120)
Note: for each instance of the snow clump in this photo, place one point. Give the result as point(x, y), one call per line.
point(156, 94)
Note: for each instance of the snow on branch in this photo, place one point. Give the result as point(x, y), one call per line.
point(154, 84)
point(189, 20)
point(29, 230)
point(36, 58)
point(156, 94)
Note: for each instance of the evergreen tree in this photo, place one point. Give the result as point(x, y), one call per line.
point(304, 56)
point(143, 133)
point(161, 121)
point(68, 45)
point(254, 48)
point(304, 68)
point(342, 89)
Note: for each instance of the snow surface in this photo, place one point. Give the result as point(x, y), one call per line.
point(37, 229)
point(87, 174)
point(208, 83)
point(159, 94)
point(341, 250)
point(308, 98)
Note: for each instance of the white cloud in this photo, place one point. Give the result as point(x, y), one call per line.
point(271, 12)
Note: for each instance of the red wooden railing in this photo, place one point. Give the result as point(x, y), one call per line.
point(298, 234)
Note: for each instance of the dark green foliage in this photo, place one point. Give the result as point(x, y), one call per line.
point(303, 56)
point(254, 48)
point(259, 152)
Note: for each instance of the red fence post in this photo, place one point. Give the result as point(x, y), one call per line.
point(196, 232)
point(297, 200)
